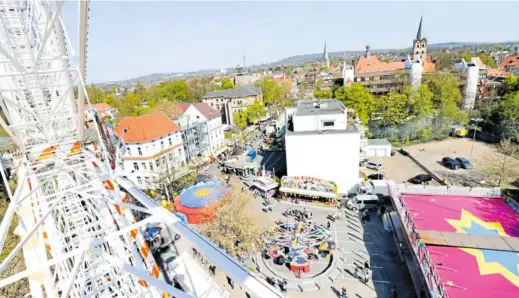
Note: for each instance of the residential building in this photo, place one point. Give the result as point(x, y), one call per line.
point(154, 149)
point(228, 102)
point(380, 77)
point(511, 64)
point(202, 130)
point(321, 144)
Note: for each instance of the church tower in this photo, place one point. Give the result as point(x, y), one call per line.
point(325, 57)
point(420, 45)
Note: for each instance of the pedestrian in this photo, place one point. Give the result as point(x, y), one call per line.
point(328, 225)
point(344, 293)
point(231, 282)
point(382, 210)
point(366, 266)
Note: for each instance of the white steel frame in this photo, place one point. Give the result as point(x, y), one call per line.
point(78, 235)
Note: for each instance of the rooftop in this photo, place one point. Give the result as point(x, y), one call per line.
point(203, 108)
point(349, 129)
point(378, 142)
point(243, 91)
point(469, 272)
point(145, 128)
point(320, 107)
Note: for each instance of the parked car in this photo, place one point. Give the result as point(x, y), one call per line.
point(420, 179)
point(374, 165)
point(378, 176)
point(403, 152)
point(464, 163)
point(450, 163)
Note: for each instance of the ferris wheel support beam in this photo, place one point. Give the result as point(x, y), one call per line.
point(83, 32)
point(50, 28)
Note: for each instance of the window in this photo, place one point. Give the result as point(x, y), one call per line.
point(158, 162)
point(197, 117)
point(170, 143)
point(143, 165)
point(179, 150)
point(147, 182)
point(151, 165)
point(164, 160)
point(139, 150)
point(139, 180)
point(128, 151)
point(171, 157)
point(135, 166)
point(162, 145)
point(328, 123)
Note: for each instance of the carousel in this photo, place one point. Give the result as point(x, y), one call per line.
point(297, 245)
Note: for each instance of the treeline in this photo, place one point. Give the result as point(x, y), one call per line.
point(163, 97)
point(142, 100)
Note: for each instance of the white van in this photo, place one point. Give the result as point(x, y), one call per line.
point(374, 165)
point(360, 202)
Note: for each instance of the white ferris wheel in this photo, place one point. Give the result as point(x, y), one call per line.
point(78, 232)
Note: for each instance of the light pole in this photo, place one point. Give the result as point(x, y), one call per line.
point(474, 137)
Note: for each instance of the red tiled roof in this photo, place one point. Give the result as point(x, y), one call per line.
point(494, 72)
point(203, 108)
point(145, 128)
point(373, 64)
point(510, 61)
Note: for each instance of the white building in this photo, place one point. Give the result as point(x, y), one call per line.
point(472, 69)
point(154, 149)
point(201, 112)
point(321, 144)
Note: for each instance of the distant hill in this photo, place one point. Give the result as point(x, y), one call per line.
point(298, 59)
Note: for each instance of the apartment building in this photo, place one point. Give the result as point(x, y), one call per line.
point(154, 149)
point(228, 102)
point(202, 130)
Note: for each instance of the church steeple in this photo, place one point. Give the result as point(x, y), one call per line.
point(420, 45)
point(325, 56)
point(419, 33)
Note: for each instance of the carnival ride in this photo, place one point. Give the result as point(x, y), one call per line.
point(78, 232)
point(298, 244)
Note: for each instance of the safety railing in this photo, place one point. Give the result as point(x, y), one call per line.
point(427, 266)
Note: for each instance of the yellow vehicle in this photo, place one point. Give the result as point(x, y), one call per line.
point(462, 132)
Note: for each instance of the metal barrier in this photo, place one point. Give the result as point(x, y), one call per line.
point(433, 281)
point(447, 190)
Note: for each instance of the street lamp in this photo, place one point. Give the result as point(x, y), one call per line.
point(477, 120)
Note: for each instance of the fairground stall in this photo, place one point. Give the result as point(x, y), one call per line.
point(245, 163)
point(264, 187)
point(306, 189)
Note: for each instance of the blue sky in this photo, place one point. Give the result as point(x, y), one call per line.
point(131, 39)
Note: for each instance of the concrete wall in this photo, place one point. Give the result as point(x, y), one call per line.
point(315, 122)
point(332, 157)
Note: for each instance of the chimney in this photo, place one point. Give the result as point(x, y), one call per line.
point(368, 55)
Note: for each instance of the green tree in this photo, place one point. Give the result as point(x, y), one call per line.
point(140, 91)
point(392, 109)
point(112, 101)
point(323, 94)
point(273, 94)
point(240, 119)
point(358, 98)
point(227, 84)
point(139, 111)
point(95, 95)
point(488, 60)
point(287, 70)
point(175, 91)
point(511, 84)
point(466, 57)
point(419, 101)
point(255, 112)
point(509, 109)
point(446, 95)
